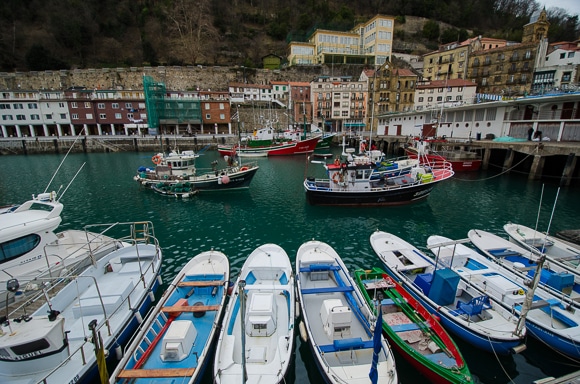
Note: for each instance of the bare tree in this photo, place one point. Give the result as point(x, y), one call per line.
point(191, 29)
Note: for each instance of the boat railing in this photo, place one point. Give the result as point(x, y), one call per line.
point(87, 341)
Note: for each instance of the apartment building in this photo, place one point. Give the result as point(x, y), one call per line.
point(339, 103)
point(367, 43)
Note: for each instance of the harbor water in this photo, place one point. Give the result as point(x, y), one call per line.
point(274, 210)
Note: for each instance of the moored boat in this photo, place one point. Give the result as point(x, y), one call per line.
point(177, 175)
point(545, 316)
point(65, 340)
point(415, 333)
point(339, 326)
point(444, 293)
point(554, 249)
point(361, 181)
point(33, 251)
point(276, 148)
point(176, 340)
point(554, 276)
point(460, 155)
point(256, 340)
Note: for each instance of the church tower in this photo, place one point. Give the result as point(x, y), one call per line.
point(537, 29)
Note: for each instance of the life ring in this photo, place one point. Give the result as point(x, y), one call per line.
point(244, 169)
point(337, 177)
point(156, 159)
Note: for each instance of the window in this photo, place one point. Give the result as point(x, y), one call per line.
point(62, 116)
point(222, 107)
point(420, 99)
point(222, 116)
point(562, 55)
point(429, 99)
point(32, 106)
point(89, 116)
point(208, 116)
point(115, 105)
point(48, 116)
point(207, 106)
point(439, 98)
point(87, 104)
point(7, 117)
point(129, 105)
point(102, 116)
point(18, 106)
point(18, 247)
point(34, 117)
point(75, 116)
point(118, 116)
point(100, 105)
point(74, 104)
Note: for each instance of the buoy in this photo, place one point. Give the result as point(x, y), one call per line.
point(225, 179)
point(303, 334)
point(159, 280)
point(138, 317)
point(297, 311)
point(152, 296)
point(230, 288)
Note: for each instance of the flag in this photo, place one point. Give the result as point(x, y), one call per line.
point(377, 338)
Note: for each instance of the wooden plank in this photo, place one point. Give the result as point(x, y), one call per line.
point(190, 308)
point(152, 373)
point(200, 283)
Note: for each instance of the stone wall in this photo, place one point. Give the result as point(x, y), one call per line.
point(175, 78)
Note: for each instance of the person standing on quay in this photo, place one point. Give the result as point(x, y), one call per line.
point(530, 132)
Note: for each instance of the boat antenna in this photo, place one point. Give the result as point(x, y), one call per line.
point(63, 159)
point(73, 179)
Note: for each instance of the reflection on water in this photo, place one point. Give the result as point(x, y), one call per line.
point(274, 210)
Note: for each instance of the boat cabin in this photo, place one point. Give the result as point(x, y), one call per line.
point(261, 314)
point(178, 340)
point(336, 318)
point(37, 346)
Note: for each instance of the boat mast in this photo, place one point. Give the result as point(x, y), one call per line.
point(242, 298)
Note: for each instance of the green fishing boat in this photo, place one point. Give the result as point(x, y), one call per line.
point(412, 330)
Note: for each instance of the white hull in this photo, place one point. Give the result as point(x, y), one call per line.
point(337, 320)
point(265, 337)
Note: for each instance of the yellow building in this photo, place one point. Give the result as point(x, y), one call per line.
point(450, 60)
point(368, 43)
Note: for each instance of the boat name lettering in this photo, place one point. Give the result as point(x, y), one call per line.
point(74, 380)
point(31, 259)
point(23, 356)
point(421, 193)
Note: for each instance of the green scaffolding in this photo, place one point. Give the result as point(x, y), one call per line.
point(162, 109)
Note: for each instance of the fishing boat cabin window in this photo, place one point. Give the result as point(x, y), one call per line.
point(18, 247)
point(34, 346)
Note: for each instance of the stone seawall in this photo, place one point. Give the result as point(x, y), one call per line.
point(94, 144)
point(175, 78)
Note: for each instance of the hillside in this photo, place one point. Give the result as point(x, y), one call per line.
point(40, 35)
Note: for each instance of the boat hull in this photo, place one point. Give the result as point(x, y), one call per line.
point(402, 310)
point(232, 181)
point(459, 165)
point(400, 196)
point(285, 149)
point(200, 289)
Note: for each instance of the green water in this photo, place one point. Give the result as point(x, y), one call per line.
point(274, 210)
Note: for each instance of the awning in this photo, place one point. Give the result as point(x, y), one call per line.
point(354, 124)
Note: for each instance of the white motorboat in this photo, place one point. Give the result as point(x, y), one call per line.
point(32, 251)
point(256, 341)
point(67, 339)
point(337, 322)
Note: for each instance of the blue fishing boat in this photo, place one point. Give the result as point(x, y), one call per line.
point(545, 316)
point(462, 310)
point(175, 342)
